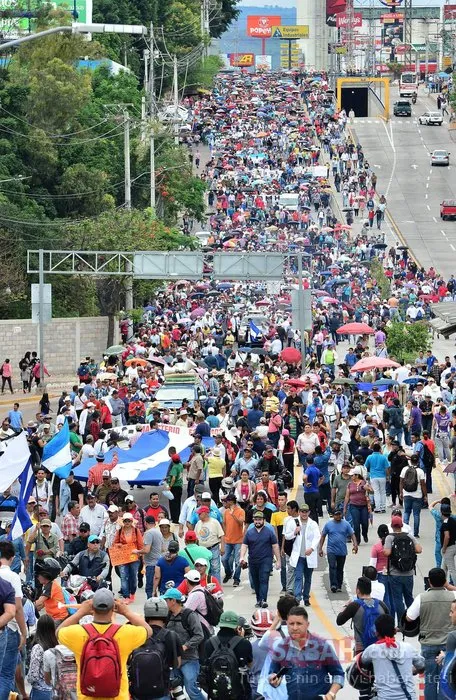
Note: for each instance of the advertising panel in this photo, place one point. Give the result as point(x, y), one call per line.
point(260, 26)
point(263, 62)
point(334, 7)
point(242, 60)
point(392, 34)
point(449, 12)
point(342, 19)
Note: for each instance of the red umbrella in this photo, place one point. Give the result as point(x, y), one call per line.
point(290, 355)
point(298, 383)
point(373, 363)
point(355, 329)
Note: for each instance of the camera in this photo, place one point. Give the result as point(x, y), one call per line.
point(177, 691)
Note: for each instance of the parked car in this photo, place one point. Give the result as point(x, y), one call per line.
point(402, 108)
point(440, 157)
point(448, 209)
point(431, 118)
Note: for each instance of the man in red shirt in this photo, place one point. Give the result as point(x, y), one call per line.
point(96, 472)
point(154, 507)
point(206, 581)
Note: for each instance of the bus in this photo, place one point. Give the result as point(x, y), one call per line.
point(408, 84)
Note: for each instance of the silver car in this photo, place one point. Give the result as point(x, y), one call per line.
point(440, 157)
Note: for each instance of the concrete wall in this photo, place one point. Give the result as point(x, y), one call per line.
point(66, 341)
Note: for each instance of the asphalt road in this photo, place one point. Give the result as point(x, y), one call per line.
point(398, 152)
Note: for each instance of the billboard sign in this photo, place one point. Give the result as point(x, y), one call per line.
point(342, 19)
point(393, 34)
point(390, 17)
point(449, 12)
point(263, 62)
point(242, 60)
point(291, 31)
point(333, 8)
point(391, 3)
point(260, 26)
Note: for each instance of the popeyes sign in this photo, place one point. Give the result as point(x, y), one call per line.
point(260, 26)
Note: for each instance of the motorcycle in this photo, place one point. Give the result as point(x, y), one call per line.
point(414, 96)
point(81, 586)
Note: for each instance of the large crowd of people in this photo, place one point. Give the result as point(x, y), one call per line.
point(272, 413)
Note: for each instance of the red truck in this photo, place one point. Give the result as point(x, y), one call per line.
point(448, 209)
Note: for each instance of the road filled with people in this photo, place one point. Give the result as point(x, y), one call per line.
point(267, 453)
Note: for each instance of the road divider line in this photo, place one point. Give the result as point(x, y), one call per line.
point(452, 246)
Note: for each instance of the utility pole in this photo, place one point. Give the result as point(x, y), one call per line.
point(151, 117)
point(41, 318)
point(127, 159)
point(176, 103)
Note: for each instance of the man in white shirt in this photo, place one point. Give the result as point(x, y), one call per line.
point(17, 630)
point(94, 514)
point(306, 443)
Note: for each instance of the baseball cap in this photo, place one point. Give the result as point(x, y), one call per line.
point(229, 619)
point(258, 514)
point(113, 509)
point(164, 521)
point(206, 496)
point(201, 561)
point(129, 498)
point(103, 600)
point(199, 488)
point(190, 536)
point(173, 546)
point(127, 516)
point(106, 472)
point(85, 527)
point(304, 507)
point(46, 521)
point(202, 509)
point(193, 576)
point(172, 594)
point(396, 521)
point(356, 470)
point(93, 538)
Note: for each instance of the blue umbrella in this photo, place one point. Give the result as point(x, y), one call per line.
point(414, 380)
point(384, 382)
point(225, 285)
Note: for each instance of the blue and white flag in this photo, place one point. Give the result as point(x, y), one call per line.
point(254, 331)
point(57, 453)
point(21, 521)
point(14, 460)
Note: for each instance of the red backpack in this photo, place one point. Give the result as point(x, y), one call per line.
point(100, 663)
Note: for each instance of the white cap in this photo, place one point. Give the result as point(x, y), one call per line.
point(206, 496)
point(129, 497)
point(113, 509)
point(193, 576)
point(164, 521)
point(356, 470)
point(201, 561)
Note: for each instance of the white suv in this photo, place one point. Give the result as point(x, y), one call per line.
point(431, 118)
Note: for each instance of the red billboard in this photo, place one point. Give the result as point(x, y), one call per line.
point(334, 7)
point(260, 26)
point(449, 12)
point(342, 19)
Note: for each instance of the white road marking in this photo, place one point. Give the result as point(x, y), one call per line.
point(452, 246)
point(427, 195)
point(428, 207)
point(434, 219)
point(427, 185)
point(443, 233)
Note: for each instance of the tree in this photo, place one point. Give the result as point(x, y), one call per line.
point(405, 340)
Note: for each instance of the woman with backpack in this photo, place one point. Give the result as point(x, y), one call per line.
point(45, 639)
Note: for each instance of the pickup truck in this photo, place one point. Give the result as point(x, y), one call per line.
point(448, 209)
point(402, 108)
point(178, 387)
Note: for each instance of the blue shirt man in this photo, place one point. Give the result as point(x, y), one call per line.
point(377, 465)
point(313, 475)
point(15, 417)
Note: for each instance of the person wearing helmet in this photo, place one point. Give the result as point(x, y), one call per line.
point(144, 671)
point(47, 570)
point(260, 622)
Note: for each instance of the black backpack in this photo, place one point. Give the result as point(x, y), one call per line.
point(148, 671)
point(403, 555)
point(222, 676)
point(428, 458)
point(410, 480)
point(214, 608)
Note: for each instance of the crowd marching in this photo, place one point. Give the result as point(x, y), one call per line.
point(358, 432)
